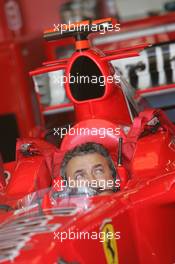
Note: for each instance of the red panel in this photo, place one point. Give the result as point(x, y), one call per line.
point(17, 95)
point(40, 14)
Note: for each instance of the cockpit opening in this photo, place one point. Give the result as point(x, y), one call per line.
point(86, 80)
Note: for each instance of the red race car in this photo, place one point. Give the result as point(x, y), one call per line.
point(152, 73)
point(43, 221)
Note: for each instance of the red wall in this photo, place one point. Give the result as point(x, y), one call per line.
point(40, 14)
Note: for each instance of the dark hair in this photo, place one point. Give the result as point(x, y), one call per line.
point(83, 149)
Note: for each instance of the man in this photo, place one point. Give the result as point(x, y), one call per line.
point(89, 165)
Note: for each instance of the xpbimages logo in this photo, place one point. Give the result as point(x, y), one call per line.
point(86, 79)
point(100, 184)
point(102, 132)
point(101, 236)
point(102, 28)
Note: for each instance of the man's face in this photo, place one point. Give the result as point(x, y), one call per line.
point(92, 168)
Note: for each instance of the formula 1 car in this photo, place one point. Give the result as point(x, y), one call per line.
point(152, 73)
point(42, 224)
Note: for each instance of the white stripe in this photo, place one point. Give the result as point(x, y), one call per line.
point(134, 34)
point(160, 65)
point(144, 77)
point(59, 110)
point(172, 54)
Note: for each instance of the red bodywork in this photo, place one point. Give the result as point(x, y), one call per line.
point(142, 212)
point(155, 80)
point(21, 28)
